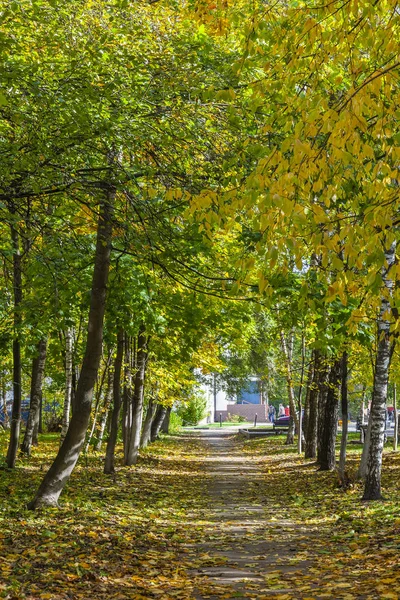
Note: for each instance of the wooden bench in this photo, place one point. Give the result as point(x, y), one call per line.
point(280, 428)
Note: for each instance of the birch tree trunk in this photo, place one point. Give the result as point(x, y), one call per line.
point(345, 419)
point(303, 362)
point(310, 450)
point(362, 469)
point(68, 383)
point(15, 425)
point(99, 395)
point(396, 419)
point(130, 362)
point(372, 490)
point(3, 388)
point(310, 375)
point(38, 365)
point(68, 454)
point(326, 458)
point(294, 422)
point(105, 410)
point(109, 464)
point(137, 398)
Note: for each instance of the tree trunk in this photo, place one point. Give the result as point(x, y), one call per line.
point(146, 433)
point(109, 463)
point(38, 365)
point(362, 469)
point(105, 411)
point(345, 419)
point(6, 423)
point(39, 428)
point(68, 454)
point(294, 422)
point(372, 490)
point(157, 422)
point(310, 450)
point(15, 425)
point(322, 397)
point(137, 398)
point(310, 376)
point(303, 362)
point(165, 423)
point(396, 419)
point(68, 384)
point(130, 361)
point(326, 457)
point(99, 394)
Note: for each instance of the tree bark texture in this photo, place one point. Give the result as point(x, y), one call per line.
point(105, 410)
point(130, 362)
point(362, 469)
point(109, 464)
point(68, 383)
point(372, 490)
point(310, 376)
point(322, 397)
point(99, 397)
point(396, 419)
point(310, 450)
point(137, 398)
point(157, 422)
point(165, 423)
point(146, 432)
point(303, 362)
point(326, 458)
point(38, 365)
point(345, 418)
point(294, 422)
point(3, 388)
point(15, 425)
point(68, 454)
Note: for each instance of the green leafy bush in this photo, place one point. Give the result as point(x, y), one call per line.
point(194, 409)
point(175, 422)
point(236, 418)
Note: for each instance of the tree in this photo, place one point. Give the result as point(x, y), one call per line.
point(61, 469)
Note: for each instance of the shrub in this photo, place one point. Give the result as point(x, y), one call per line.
point(236, 418)
point(53, 423)
point(175, 422)
point(194, 409)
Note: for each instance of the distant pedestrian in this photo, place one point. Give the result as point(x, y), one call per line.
point(287, 411)
point(281, 411)
point(272, 413)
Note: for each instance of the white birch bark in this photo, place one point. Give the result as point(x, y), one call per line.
point(286, 349)
point(372, 490)
point(396, 419)
point(68, 383)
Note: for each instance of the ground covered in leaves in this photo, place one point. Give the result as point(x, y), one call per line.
point(203, 515)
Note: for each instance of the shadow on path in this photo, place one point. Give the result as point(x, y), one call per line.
point(243, 535)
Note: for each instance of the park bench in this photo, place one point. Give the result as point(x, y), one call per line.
point(281, 424)
point(280, 427)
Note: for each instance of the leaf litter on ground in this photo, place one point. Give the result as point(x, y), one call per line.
point(159, 531)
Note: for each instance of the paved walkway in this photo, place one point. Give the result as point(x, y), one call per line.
point(246, 543)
